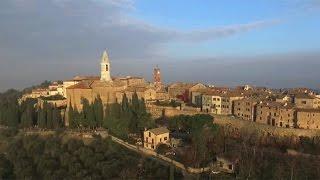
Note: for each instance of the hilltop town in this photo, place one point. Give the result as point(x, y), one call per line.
point(191, 129)
point(287, 108)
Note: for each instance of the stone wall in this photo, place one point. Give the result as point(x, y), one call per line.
point(238, 124)
point(158, 111)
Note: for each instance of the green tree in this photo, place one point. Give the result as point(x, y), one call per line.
point(27, 117)
point(42, 117)
point(49, 114)
point(56, 118)
point(98, 111)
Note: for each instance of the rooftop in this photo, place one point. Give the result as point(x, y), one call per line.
point(160, 130)
point(309, 110)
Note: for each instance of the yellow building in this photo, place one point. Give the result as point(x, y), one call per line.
point(143, 92)
point(154, 137)
point(308, 118)
point(276, 114)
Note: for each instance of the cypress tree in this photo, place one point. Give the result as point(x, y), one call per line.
point(49, 116)
point(71, 119)
point(13, 114)
point(27, 116)
point(98, 111)
point(125, 103)
point(56, 118)
point(135, 102)
point(42, 117)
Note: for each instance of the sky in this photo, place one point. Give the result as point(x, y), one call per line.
point(272, 43)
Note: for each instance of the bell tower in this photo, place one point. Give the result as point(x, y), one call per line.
point(105, 67)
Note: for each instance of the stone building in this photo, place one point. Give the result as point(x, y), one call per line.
point(308, 118)
point(105, 87)
point(183, 91)
point(93, 89)
point(162, 94)
point(211, 102)
point(276, 114)
point(108, 89)
point(246, 108)
point(306, 101)
point(284, 99)
point(76, 80)
point(220, 102)
point(196, 97)
point(154, 137)
point(227, 102)
point(131, 81)
point(143, 92)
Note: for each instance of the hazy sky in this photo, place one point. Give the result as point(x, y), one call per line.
point(272, 43)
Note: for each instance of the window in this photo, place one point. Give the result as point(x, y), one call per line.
point(107, 67)
point(160, 139)
point(230, 166)
point(149, 134)
point(165, 138)
point(146, 139)
point(303, 102)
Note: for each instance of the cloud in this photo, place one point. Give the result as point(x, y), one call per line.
point(56, 39)
point(225, 31)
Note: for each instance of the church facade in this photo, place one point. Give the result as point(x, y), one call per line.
point(109, 89)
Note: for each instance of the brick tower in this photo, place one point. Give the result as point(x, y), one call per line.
point(157, 76)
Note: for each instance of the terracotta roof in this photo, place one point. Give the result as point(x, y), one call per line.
point(276, 104)
point(160, 130)
point(233, 94)
point(308, 110)
point(213, 93)
point(81, 78)
point(137, 88)
point(304, 96)
point(252, 99)
point(82, 85)
point(182, 85)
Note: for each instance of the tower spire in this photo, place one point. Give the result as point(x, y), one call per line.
point(105, 67)
point(105, 57)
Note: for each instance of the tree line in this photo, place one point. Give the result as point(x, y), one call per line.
point(36, 157)
point(119, 118)
point(28, 114)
